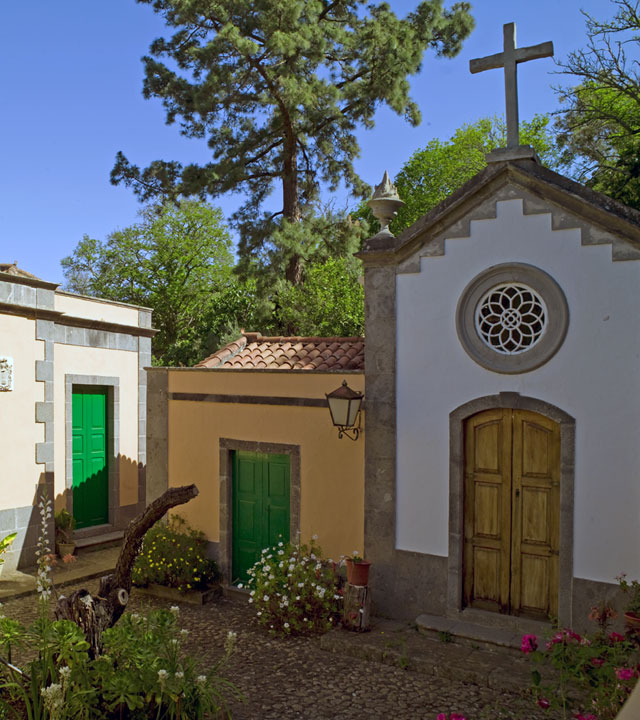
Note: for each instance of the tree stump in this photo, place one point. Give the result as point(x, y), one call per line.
point(95, 613)
point(357, 607)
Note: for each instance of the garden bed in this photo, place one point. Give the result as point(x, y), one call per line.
point(192, 597)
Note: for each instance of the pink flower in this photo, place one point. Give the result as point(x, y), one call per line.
point(441, 716)
point(529, 644)
point(544, 703)
point(597, 662)
point(615, 637)
point(585, 717)
point(626, 673)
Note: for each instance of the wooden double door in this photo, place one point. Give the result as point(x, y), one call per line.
point(512, 513)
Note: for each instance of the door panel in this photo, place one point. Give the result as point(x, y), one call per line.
point(511, 512)
point(536, 514)
point(89, 456)
point(261, 507)
point(488, 516)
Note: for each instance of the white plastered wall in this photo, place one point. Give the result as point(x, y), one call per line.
point(19, 432)
point(96, 309)
point(100, 362)
point(595, 377)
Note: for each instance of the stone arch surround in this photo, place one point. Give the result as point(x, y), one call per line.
point(511, 400)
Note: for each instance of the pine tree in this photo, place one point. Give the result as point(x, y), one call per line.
point(277, 89)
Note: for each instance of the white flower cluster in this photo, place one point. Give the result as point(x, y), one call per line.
point(53, 699)
point(286, 581)
point(230, 641)
point(43, 552)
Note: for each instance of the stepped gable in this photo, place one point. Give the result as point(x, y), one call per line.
point(252, 351)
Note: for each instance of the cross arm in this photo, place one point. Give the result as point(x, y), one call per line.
point(486, 63)
point(533, 52)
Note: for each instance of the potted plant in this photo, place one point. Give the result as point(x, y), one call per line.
point(5, 544)
point(632, 608)
point(65, 527)
point(357, 569)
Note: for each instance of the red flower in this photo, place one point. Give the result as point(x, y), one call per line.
point(544, 703)
point(529, 644)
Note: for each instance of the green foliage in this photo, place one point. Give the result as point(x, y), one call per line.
point(175, 555)
point(143, 672)
point(65, 526)
point(306, 278)
point(435, 172)
point(294, 591)
point(5, 544)
point(175, 261)
point(631, 588)
point(330, 302)
point(277, 90)
point(600, 121)
point(591, 674)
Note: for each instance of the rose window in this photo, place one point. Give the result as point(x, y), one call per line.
point(511, 318)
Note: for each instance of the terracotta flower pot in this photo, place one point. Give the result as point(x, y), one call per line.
point(358, 573)
point(632, 622)
point(66, 549)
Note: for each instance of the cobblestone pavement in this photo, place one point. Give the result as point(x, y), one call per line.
point(295, 679)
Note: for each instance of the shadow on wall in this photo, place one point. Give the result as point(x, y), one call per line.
point(107, 497)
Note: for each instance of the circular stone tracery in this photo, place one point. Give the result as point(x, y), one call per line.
point(511, 318)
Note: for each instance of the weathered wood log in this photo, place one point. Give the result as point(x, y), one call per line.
point(357, 607)
point(95, 613)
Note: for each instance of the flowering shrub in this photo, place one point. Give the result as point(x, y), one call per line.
point(595, 672)
point(175, 555)
point(294, 591)
point(142, 673)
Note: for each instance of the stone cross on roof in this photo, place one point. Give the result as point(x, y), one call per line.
point(509, 59)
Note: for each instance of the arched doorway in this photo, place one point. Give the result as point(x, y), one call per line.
point(566, 424)
point(511, 512)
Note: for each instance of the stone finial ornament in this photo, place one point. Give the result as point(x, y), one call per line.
point(385, 203)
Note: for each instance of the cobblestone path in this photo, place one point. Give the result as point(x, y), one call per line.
point(294, 679)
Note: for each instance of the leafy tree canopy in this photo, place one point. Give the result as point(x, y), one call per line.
point(177, 260)
point(599, 128)
point(329, 303)
point(433, 173)
point(277, 89)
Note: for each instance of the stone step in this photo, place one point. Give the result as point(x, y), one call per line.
point(89, 540)
point(478, 629)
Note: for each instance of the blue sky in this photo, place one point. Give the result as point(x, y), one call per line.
point(71, 79)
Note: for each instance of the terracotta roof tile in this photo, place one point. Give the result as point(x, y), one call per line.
point(253, 351)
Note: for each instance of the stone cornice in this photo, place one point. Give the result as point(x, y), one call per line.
point(61, 318)
point(32, 282)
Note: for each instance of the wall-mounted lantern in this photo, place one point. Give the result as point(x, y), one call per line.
point(344, 406)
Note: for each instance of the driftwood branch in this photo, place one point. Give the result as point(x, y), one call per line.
point(94, 614)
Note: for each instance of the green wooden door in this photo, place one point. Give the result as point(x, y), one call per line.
point(261, 507)
point(90, 471)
